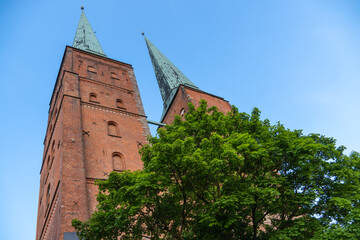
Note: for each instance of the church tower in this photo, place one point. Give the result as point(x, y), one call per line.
point(177, 90)
point(96, 125)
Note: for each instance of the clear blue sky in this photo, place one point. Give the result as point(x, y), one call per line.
point(297, 61)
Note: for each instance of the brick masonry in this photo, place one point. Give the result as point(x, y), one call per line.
point(186, 95)
point(96, 125)
point(90, 92)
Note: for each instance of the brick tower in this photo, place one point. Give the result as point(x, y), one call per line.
point(177, 90)
point(96, 125)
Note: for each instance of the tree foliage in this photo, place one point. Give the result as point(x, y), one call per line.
point(234, 176)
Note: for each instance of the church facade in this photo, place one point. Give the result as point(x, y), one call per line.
point(97, 124)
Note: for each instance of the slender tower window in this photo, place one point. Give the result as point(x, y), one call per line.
point(113, 129)
point(53, 146)
point(48, 196)
point(119, 103)
point(93, 97)
point(52, 160)
point(118, 162)
point(182, 112)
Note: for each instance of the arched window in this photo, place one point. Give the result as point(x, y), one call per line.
point(53, 146)
point(113, 129)
point(52, 160)
point(119, 103)
point(48, 195)
point(93, 97)
point(182, 112)
point(118, 162)
point(91, 69)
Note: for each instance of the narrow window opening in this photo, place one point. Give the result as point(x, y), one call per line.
point(113, 129)
point(48, 196)
point(182, 112)
point(119, 104)
point(52, 160)
point(47, 176)
point(118, 162)
point(93, 98)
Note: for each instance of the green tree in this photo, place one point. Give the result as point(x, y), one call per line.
point(234, 176)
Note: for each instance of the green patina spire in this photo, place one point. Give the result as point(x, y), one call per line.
point(168, 76)
point(85, 38)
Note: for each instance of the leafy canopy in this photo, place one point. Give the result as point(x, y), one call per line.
point(234, 176)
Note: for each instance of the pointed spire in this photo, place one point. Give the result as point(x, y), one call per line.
point(168, 76)
point(85, 38)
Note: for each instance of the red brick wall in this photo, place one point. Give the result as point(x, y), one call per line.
point(83, 148)
point(185, 95)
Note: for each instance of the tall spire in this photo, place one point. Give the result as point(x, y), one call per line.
point(85, 38)
point(168, 76)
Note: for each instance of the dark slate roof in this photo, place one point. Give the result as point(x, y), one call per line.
point(85, 38)
point(168, 76)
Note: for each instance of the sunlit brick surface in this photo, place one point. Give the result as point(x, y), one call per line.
point(77, 143)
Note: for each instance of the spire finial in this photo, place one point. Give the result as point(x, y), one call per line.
point(142, 33)
point(82, 8)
